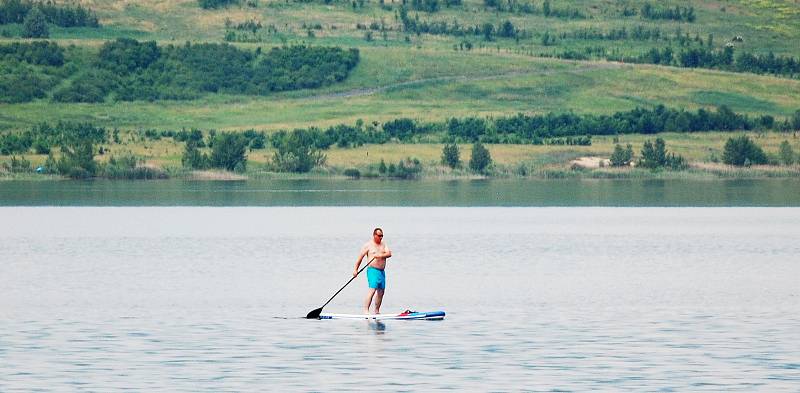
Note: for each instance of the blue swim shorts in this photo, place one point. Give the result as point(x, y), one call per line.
point(376, 278)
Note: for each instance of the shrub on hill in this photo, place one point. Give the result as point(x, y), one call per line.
point(130, 70)
point(89, 86)
point(678, 13)
point(451, 156)
point(786, 153)
point(655, 156)
point(38, 52)
point(229, 151)
point(296, 152)
point(34, 25)
point(622, 157)
point(480, 159)
point(20, 84)
point(741, 151)
point(212, 4)
point(63, 15)
point(192, 157)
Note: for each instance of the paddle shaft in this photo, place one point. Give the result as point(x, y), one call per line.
point(348, 283)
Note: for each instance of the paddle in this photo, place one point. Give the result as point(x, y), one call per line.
point(314, 314)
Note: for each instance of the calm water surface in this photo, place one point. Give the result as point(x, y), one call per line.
point(498, 192)
point(208, 299)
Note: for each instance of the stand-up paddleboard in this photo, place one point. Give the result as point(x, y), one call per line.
point(430, 316)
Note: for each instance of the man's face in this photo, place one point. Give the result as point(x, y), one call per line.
point(378, 236)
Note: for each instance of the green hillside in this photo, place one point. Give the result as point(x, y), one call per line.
point(428, 60)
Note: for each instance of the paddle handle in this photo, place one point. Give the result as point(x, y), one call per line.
point(351, 280)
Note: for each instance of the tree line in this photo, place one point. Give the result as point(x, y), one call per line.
point(681, 14)
point(213, 4)
point(37, 53)
point(127, 70)
point(638, 33)
point(551, 128)
point(303, 149)
point(63, 15)
point(738, 151)
point(489, 31)
point(527, 7)
point(723, 59)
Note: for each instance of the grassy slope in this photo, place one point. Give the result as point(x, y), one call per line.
point(426, 79)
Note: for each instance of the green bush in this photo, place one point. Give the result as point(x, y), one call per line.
point(352, 173)
point(296, 152)
point(786, 153)
point(408, 168)
point(126, 167)
point(35, 24)
point(229, 151)
point(622, 157)
point(37, 52)
point(192, 157)
point(480, 158)
point(89, 86)
point(20, 84)
point(77, 160)
point(655, 156)
point(211, 4)
point(741, 151)
point(451, 156)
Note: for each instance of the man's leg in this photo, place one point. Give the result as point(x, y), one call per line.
point(378, 300)
point(368, 300)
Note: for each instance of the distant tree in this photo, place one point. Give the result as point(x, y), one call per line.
point(450, 155)
point(408, 168)
point(77, 160)
point(796, 120)
point(488, 31)
point(741, 150)
point(35, 24)
point(622, 157)
point(192, 157)
point(228, 151)
point(480, 159)
point(507, 30)
point(296, 152)
point(786, 153)
point(401, 129)
point(470, 128)
point(382, 167)
point(548, 39)
point(210, 4)
point(655, 155)
point(546, 10)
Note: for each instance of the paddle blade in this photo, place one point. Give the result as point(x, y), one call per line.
point(314, 314)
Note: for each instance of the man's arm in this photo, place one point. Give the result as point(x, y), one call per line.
point(387, 253)
point(361, 256)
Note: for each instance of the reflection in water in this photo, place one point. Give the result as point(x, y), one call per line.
point(497, 192)
point(377, 326)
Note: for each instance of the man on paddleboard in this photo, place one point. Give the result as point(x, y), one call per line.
point(376, 275)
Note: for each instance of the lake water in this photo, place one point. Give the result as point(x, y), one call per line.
point(554, 298)
point(498, 192)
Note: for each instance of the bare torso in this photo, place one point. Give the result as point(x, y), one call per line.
point(373, 249)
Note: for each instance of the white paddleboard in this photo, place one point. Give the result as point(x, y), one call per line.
point(430, 316)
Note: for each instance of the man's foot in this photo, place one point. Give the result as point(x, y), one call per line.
point(366, 312)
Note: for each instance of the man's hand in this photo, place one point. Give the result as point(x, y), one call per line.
point(355, 273)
